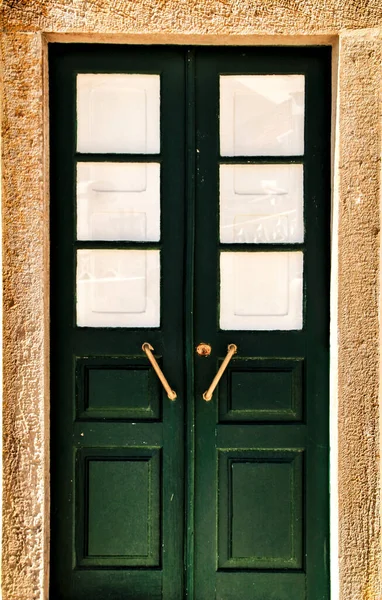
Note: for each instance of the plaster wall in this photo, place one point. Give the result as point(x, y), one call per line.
point(354, 27)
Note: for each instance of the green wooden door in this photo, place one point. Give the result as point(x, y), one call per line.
point(196, 210)
point(261, 460)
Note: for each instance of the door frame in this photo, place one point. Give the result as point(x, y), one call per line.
point(354, 308)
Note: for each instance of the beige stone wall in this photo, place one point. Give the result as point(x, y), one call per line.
point(354, 27)
point(359, 186)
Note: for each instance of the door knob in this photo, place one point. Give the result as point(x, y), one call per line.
point(232, 349)
point(203, 349)
point(147, 348)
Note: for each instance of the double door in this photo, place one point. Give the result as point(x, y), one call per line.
point(190, 233)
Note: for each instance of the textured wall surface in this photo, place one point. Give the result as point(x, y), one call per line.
point(26, 26)
point(192, 16)
point(24, 307)
point(358, 365)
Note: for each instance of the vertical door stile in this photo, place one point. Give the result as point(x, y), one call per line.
point(206, 306)
point(191, 157)
point(173, 138)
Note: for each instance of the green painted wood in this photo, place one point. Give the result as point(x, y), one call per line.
point(161, 500)
point(255, 584)
point(269, 537)
point(117, 388)
point(120, 507)
point(100, 436)
point(190, 440)
point(231, 423)
point(261, 390)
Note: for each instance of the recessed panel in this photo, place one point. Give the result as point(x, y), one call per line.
point(240, 585)
point(261, 290)
point(118, 288)
point(118, 201)
point(260, 509)
point(261, 115)
point(117, 389)
point(118, 113)
point(117, 515)
point(262, 390)
point(118, 524)
point(261, 204)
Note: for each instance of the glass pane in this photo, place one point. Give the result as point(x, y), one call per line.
point(261, 115)
point(118, 201)
point(261, 204)
point(118, 113)
point(118, 288)
point(261, 290)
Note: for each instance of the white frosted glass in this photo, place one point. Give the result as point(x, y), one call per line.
point(118, 113)
point(261, 115)
point(261, 290)
point(261, 204)
point(118, 288)
point(118, 201)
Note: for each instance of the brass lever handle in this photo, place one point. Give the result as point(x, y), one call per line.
point(232, 349)
point(146, 347)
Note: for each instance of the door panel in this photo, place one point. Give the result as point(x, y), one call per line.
point(262, 390)
point(117, 471)
point(261, 519)
point(118, 516)
point(102, 385)
point(189, 203)
point(269, 537)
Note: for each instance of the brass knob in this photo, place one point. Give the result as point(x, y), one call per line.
point(203, 349)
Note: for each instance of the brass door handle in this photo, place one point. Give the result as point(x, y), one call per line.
point(232, 349)
point(146, 347)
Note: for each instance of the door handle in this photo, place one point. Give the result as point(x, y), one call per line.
point(146, 347)
point(232, 349)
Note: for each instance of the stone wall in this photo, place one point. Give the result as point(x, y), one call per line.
point(354, 27)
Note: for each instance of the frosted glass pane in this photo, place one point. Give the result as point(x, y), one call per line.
point(261, 204)
point(261, 115)
point(118, 201)
point(118, 113)
point(261, 290)
point(118, 288)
